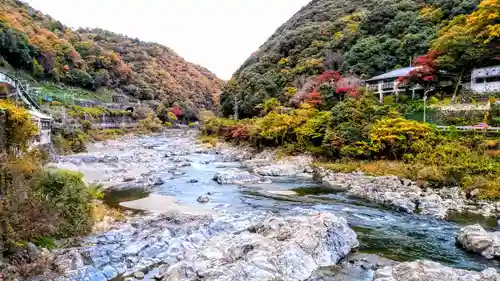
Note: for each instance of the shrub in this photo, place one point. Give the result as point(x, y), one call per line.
point(433, 100)
point(403, 98)
point(389, 100)
point(394, 137)
point(67, 194)
point(150, 124)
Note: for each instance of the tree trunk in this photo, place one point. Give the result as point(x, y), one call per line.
point(459, 81)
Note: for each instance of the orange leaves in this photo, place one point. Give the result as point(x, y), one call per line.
point(313, 98)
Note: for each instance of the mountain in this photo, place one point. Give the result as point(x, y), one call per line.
point(358, 38)
point(96, 58)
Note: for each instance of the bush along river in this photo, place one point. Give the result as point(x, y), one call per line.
point(226, 213)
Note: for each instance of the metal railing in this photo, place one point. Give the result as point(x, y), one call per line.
point(22, 90)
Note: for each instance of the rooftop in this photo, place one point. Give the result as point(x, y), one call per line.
point(39, 115)
point(393, 74)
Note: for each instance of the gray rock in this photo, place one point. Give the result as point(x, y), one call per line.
point(158, 181)
point(139, 275)
point(203, 199)
point(357, 267)
point(236, 177)
point(475, 239)
point(128, 179)
point(32, 250)
point(278, 248)
point(109, 272)
point(432, 205)
point(431, 271)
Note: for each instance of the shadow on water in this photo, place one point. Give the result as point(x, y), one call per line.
point(468, 218)
point(113, 197)
point(313, 190)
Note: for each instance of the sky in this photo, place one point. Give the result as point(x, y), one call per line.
point(217, 34)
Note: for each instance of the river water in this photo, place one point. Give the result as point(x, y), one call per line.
point(380, 230)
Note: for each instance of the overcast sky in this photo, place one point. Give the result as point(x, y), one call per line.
point(217, 34)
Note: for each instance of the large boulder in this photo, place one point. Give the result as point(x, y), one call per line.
point(386, 190)
point(275, 249)
point(432, 271)
point(475, 239)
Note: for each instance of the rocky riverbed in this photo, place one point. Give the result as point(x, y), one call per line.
point(232, 214)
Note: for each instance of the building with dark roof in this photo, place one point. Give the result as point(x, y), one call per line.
point(388, 84)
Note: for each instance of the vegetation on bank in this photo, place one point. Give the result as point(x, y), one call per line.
point(37, 204)
point(358, 133)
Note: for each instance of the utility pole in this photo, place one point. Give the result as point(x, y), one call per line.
point(425, 102)
point(236, 108)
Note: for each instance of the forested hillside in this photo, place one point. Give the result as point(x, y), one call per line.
point(360, 39)
point(91, 59)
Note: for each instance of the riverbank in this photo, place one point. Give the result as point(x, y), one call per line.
point(392, 191)
point(251, 189)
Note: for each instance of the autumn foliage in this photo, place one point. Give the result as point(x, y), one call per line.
point(425, 72)
point(95, 58)
point(177, 111)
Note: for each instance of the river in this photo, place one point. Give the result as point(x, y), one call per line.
point(382, 231)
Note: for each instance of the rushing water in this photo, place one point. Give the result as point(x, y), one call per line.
point(382, 231)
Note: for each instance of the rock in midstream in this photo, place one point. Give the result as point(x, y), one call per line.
point(432, 271)
point(278, 248)
point(251, 246)
point(475, 239)
point(236, 176)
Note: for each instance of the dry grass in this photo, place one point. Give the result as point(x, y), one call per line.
point(209, 140)
point(104, 216)
point(374, 168)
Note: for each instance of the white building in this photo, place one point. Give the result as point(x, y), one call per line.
point(44, 123)
point(486, 79)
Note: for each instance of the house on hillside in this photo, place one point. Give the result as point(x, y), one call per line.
point(485, 80)
point(388, 84)
point(44, 123)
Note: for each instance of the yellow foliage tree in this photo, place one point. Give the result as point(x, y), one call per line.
point(19, 129)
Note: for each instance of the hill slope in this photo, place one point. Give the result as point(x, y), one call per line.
point(91, 59)
point(356, 37)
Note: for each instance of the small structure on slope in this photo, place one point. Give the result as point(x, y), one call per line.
point(15, 89)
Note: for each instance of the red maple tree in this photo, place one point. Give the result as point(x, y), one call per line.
point(330, 76)
point(177, 111)
point(425, 73)
point(313, 98)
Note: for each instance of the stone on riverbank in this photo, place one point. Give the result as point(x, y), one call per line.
point(432, 271)
point(267, 164)
point(235, 176)
point(278, 248)
point(475, 239)
point(405, 195)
